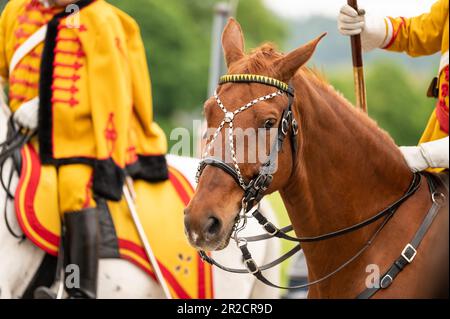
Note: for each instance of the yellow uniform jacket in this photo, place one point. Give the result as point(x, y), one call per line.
point(91, 77)
point(425, 35)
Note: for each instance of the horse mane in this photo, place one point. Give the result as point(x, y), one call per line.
point(315, 77)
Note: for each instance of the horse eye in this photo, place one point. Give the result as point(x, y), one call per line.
point(269, 123)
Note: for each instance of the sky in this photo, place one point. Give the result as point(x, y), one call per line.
point(330, 8)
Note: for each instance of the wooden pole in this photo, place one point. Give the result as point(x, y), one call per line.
point(358, 66)
point(129, 195)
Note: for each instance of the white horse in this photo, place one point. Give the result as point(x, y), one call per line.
point(19, 260)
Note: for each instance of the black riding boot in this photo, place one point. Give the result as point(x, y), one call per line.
point(81, 249)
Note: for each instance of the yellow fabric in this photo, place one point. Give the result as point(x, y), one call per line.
point(425, 34)
point(146, 136)
point(101, 90)
point(160, 209)
point(3, 64)
point(75, 188)
point(23, 83)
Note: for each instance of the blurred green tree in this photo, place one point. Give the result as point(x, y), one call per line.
point(177, 36)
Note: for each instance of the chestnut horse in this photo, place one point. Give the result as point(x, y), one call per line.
point(346, 170)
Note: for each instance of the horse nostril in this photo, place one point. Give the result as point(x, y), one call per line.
point(212, 227)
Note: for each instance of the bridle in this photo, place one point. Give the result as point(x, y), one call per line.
point(255, 190)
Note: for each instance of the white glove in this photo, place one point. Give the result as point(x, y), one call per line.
point(27, 114)
point(433, 154)
point(372, 29)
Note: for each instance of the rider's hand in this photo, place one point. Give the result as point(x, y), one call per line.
point(372, 29)
point(413, 156)
point(27, 115)
point(427, 155)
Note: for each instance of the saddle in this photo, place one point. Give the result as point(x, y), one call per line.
point(160, 208)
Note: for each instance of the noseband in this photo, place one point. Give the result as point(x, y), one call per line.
point(255, 190)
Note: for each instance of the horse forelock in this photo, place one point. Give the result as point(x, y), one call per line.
point(259, 61)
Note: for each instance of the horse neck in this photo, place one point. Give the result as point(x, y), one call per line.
point(347, 168)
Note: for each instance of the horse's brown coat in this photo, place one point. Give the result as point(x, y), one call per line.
point(346, 171)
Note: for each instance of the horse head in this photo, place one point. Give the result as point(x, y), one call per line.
point(253, 97)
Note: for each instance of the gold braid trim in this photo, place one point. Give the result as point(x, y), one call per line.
point(254, 78)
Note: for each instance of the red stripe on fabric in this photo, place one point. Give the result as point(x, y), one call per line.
point(211, 283)
point(79, 53)
point(137, 263)
point(29, 209)
point(183, 178)
point(171, 280)
point(27, 67)
point(13, 96)
point(87, 201)
point(395, 32)
point(442, 115)
point(30, 196)
point(75, 66)
point(201, 278)
point(200, 264)
point(26, 83)
point(179, 188)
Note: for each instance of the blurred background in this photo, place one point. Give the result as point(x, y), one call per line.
point(181, 39)
point(178, 36)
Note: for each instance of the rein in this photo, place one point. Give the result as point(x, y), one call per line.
point(10, 150)
point(255, 189)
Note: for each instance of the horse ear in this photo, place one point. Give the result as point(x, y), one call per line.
point(290, 63)
point(232, 42)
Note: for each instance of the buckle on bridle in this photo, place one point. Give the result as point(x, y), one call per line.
point(251, 266)
point(438, 198)
point(386, 281)
point(270, 228)
point(284, 126)
point(294, 127)
point(262, 182)
point(409, 252)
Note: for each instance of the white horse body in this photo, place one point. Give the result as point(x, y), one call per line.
point(19, 260)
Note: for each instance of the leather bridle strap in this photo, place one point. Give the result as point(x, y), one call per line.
point(255, 190)
point(410, 250)
point(272, 264)
point(273, 231)
point(219, 164)
point(406, 257)
point(10, 150)
point(257, 271)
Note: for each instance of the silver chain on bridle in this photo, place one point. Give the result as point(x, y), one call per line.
point(228, 120)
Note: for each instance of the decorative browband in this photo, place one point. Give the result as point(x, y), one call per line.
point(254, 78)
